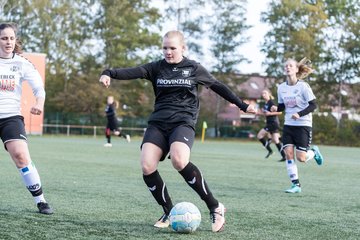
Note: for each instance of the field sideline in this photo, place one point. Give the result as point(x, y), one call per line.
point(99, 193)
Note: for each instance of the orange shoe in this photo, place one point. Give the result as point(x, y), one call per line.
point(218, 218)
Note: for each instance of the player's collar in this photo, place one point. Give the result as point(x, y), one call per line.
point(12, 56)
point(287, 83)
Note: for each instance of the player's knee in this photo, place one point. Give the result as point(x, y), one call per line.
point(178, 162)
point(20, 158)
point(147, 169)
point(180, 165)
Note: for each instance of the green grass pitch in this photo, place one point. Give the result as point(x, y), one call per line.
point(99, 193)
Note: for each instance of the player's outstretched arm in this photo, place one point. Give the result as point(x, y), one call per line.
point(105, 80)
point(251, 109)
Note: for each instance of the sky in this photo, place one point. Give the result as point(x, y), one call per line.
point(250, 50)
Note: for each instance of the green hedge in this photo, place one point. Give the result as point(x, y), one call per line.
point(327, 132)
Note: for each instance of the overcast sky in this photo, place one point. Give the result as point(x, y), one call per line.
point(251, 50)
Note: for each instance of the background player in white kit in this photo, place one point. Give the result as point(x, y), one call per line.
point(298, 100)
point(14, 69)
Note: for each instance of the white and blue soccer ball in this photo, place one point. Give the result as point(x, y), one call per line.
point(185, 217)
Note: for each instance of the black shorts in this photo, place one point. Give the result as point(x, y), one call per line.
point(12, 128)
point(272, 127)
point(299, 136)
point(163, 139)
point(112, 124)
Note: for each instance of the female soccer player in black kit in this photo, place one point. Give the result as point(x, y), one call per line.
point(175, 81)
point(112, 122)
point(272, 126)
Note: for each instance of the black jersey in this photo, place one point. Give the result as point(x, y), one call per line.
point(112, 123)
point(266, 108)
point(176, 89)
point(110, 111)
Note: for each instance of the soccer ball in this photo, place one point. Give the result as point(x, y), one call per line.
point(185, 217)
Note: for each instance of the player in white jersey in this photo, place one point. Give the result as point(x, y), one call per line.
point(298, 100)
point(14, 69)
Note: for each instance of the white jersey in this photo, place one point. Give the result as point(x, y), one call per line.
point(13, 72)
point(296, 98)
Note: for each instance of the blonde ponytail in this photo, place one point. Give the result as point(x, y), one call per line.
point(304, 66)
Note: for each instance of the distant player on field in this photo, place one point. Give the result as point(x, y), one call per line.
point(272, 127)
point(112, 122)
point(298, 100)
point(14, 69)
point(171, 126)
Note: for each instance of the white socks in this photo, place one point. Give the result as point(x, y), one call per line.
point(292, 169)
point(32, 182)
point(309, 155)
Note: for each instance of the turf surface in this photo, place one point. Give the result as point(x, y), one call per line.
point(98, 193)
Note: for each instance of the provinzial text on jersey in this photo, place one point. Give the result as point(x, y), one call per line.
point(173, 82)
point(7, 85)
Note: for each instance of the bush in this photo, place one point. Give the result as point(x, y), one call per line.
point(326, 131)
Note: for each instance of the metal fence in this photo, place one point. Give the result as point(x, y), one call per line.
point(86, 130)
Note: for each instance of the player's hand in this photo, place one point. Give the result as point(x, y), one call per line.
point(295, 116)
point(36, 110)
point(105, 80)
point(251, 109)
point(273, 108)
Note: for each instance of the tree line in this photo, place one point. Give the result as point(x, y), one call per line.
point(82, 37)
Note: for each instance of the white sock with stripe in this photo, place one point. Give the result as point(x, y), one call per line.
point(32, 182)
point(292, 169)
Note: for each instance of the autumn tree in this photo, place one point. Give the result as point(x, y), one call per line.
point(60, 29)
point(213, 30)
point(190, 18)
point(228, 33)
point(325, 31)
point(80, 39)
point(129, 32)
point(295, 33)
